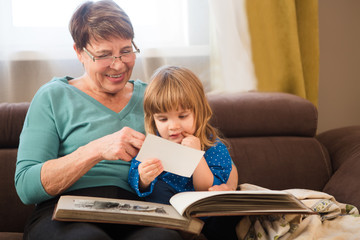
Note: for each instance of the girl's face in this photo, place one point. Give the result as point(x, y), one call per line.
point(171, 125)
point(104, 76)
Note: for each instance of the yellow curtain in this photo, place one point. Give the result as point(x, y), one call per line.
point(285, 45)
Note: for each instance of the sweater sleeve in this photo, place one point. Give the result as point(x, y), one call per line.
point(219, 162)
point(134, 179)
point(39, 142)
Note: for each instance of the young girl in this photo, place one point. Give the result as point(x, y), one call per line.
point(176, 108)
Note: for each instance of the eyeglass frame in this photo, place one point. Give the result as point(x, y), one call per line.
point(137, 50)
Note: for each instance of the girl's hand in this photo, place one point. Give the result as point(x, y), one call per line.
point(148, 171)
point(191, 141)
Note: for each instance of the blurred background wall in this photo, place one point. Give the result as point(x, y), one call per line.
point(339, 85)
point(339, 82)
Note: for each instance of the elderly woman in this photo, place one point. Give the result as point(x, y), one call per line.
point(80, 133)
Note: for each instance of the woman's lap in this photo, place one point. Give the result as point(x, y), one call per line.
point(46, 228)
point(41, 226)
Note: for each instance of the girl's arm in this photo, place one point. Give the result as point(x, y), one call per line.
point(222, 170)
point(232, 182)
point(203, 178)
point(230, 185)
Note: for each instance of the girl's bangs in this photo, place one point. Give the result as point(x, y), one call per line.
point(167, 100)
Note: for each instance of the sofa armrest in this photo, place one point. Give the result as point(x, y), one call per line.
point(343, 145)
point(12, 117)
point(13, 212)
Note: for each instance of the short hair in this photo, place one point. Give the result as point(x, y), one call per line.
point(100, 20)
point(173, 87)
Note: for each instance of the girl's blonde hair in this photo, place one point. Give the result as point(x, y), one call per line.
point(172, 88)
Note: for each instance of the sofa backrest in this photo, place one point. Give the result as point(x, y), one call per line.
point(271, 139)
point(12, 116)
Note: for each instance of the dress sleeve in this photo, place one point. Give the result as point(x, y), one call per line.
point(219, 161)
point(134, 179)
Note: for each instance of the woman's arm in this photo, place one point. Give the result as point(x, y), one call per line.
point(64, 136)
point(38, 180)
point(57, 175)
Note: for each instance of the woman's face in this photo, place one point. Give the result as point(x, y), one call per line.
point(104, 76)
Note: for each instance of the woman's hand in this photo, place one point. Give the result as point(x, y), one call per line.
point(57, 175)
point(124, 144)
point(148, 171)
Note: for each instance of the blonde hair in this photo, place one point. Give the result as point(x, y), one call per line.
point(172, 88)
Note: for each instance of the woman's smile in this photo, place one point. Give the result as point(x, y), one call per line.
point(115, 78)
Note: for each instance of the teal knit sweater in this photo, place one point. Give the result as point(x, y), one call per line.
point(61, 118)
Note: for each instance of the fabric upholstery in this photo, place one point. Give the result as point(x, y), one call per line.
point(13, 212)
point(344, 148)
point(271, 139)
point(11, 120)
point(272, 133)
point(281, 162)
point(266, 114)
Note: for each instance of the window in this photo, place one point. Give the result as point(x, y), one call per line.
point(43, 24)
point(35, 39)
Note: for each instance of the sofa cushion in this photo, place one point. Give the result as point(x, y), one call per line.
point(13, 212)
point(263, 114)
point(281, 162)
point(271, 138)
point(11, 236)
point(343, 145)
point(10, 204)
point(342, 184)
point(12, 117)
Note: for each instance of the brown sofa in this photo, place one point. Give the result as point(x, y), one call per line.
point(272, 140)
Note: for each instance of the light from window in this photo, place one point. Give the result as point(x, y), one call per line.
point(156, 22)
point(42, 13)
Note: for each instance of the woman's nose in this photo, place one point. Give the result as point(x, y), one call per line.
point(117, 63)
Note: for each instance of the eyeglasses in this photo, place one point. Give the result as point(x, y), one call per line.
point(108, 60)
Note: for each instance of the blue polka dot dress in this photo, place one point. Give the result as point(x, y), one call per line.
point(217, 158)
